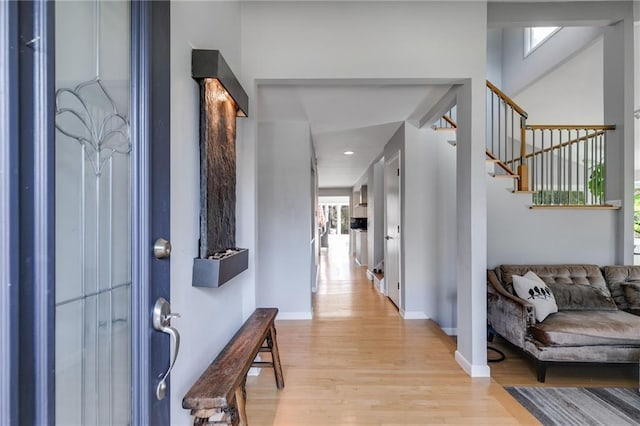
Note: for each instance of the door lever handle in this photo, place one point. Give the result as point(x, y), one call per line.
point(162, 322)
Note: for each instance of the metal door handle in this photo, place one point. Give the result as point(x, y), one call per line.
point(161, 248)
point(387, 237)
point(162, 322)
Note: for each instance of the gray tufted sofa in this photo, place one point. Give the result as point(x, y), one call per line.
point(576, 335)
point(616, 277)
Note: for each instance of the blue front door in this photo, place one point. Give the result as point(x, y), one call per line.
point(89, 198)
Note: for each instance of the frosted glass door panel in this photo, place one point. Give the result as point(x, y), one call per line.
point(93, 214)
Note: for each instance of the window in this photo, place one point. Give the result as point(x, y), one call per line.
point(535, 36)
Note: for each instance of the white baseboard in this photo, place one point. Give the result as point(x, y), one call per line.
point(289, 316)
point(450, 331)
point(472, 370)
point(413, 314)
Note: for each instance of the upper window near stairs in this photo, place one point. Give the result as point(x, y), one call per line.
point(535, 36)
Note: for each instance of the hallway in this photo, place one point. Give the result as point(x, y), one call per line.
point(358, 362)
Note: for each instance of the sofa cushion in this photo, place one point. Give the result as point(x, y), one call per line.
point(588, 328)
point(632, 295)
point(531, 288)
point(558, 274)
point(616, 276)
point(580, 297)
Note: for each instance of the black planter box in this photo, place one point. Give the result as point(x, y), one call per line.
point(215, 272)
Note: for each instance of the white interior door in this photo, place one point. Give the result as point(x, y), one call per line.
point(392, 237)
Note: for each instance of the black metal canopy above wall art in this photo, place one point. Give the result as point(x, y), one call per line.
point(222, 99)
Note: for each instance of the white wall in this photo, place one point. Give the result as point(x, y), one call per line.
point(428, 224)
point(519, 71)
point(618, 78)
point(210, 317)
point(362, 40)
point(444, 246)
point(335, 192)
point(520, 235)
point(418, 226)
point(284, 209)
point(494, 56)
point(572, 93)
point(636, 30)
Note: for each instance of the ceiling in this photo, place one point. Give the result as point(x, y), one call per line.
point(347, 117)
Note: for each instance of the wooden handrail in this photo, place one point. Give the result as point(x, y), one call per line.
point(576, 206)
point(450, 121)
point(569, 127)
point(507, 99)
point(500, 164)
point(601, 131)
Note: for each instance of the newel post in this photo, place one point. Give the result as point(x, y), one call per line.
point(523, 169)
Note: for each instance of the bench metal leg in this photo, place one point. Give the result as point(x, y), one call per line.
point(275, 355)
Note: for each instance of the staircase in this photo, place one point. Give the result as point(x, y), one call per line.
point(560, 165)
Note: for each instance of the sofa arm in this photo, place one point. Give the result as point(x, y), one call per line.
point(507, 314)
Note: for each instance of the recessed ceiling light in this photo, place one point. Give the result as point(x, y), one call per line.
point(349, 153)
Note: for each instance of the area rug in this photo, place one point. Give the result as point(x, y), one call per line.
point(580, 406)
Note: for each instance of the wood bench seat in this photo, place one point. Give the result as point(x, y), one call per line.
point(218, 396)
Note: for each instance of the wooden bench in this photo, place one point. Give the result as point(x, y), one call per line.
point(219, 394)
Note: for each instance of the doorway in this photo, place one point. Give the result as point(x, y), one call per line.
point(333, 220)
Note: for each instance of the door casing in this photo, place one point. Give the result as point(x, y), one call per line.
point(9, 218)
point(393, 246)
point(151, 105)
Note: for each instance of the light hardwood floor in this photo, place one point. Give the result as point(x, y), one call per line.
point(358, 362)
point(518, 370)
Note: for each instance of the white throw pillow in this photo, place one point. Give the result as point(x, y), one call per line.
point(531, 288)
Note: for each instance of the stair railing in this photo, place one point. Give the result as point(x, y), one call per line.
point(562, 165)
point(506, 136)
point(567, 164)
point(447, 121)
